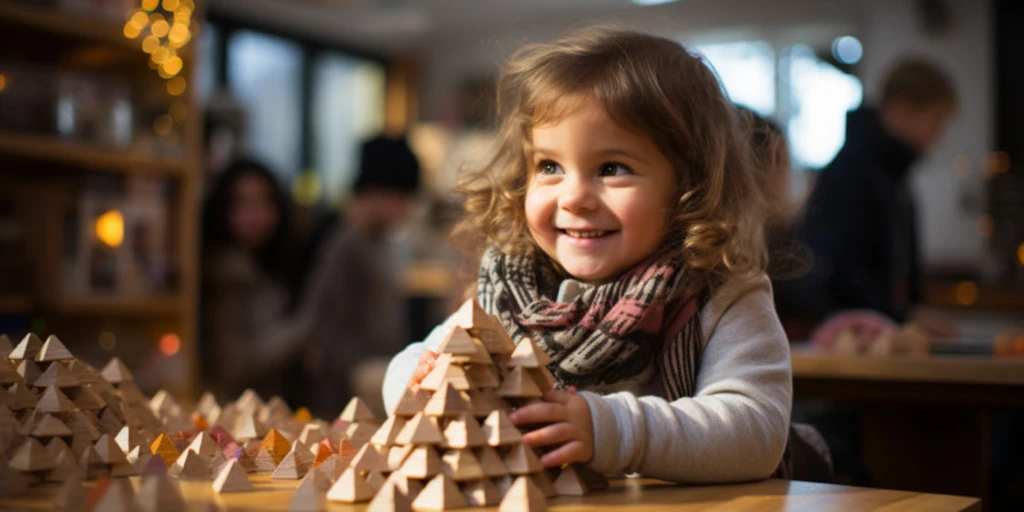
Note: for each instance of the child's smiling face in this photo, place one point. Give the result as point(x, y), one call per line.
point(598, 195)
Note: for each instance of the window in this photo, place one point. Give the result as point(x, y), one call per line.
point(348, 107)
point(265, 74)
point(746, 70)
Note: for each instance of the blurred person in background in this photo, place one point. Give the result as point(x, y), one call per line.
point(361, 312)
point(861, 218)
point(250, 332)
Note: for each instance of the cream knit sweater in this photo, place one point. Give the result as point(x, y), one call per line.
point(733, 429)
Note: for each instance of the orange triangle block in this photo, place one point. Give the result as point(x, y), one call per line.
point(164, 448)
point(28, 348)
point(528, 355)
point(420, 430)
point(461, 465)
point(357, 411)
point(323, 452)
point(276, 445)
point(350, 488)
point(53, 350)
point(440, 493)
point(52, 400)
point(499, 430)
point(518, 384)
point(115, 372)
point(523, 496)
point(521, 460)
point(448, 401)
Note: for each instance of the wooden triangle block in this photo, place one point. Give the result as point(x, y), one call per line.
point(55, 447)
point(91, 463)
point(451, 373)
point(85, 373)
point(319, 480)
point(232, 478)
point(158, 493)
point(217, 461)
point(499, 430)
point(543, 482)
point(71, 495)
point(307, 498)
point(12, 483)
point(28, 348)
point(410, 487)
point(276, 445)
point(53, 350)
point(521, 460)
point(5, 346)
point(350, 488)
point(420, 430)
point(244, 459)
point(481, 376)
point(207, 403)
point(523, 496)
point(461, 465)
point(528, 355)
point(22, 397)
point(290, 468)
point(448, 401)
point(8, 373)
point(578, 479)
point(30, 457)
point(52, 400)
point(140, 458)
point(457, 343)
point(490, 331)
point(375, 479)
point(423, 462)
point(86, 399)
point(360, 433)
point(129, 438)
point(265, 462)
point(164, 448)
point(357, 411)
point(328, 467)
point(464, 432)
point(390, 498)
point(440, 493)
point(518, 384)
point(192, 466)
point(29, 371)
point(84, 425)
point(397, 456)
point(115, 372)
point(204, 445)
point(312, 433)
point(119, 497)
point(64, 467)
point(411, 403)
point(386, 434)
point(543, 377)
point(491, 463)
point(369, 459)
point(109, 451)
point(50, 426)
point(323, 452)
point(486, 401)
point(58, 375)
point(481, 493)
point(109, 422)
point(302, 453)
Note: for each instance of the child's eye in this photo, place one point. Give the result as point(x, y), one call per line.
point(615, 169)
point(548, 167)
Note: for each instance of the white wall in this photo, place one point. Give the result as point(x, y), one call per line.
point(888, 28)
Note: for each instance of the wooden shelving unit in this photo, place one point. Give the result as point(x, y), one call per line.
point(70, 41)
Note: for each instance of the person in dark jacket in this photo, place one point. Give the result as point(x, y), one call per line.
point(861, 221)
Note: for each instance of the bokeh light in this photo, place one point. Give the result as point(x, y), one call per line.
point(110, 228)
point(170, 344)
point(107, 341)
point(966, 293)
point(170, 5)
point(847, 49)
point(172, 66)
point(176, 86)
point(150, 44)
point(149, 5)
point(163, 125)
point(160, 28)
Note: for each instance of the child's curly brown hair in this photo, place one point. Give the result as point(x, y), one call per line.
point(656, 87)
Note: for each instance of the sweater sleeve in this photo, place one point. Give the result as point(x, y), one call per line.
point(402, 366)
point(735, 426)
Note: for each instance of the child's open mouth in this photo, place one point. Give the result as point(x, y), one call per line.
point(586, 238)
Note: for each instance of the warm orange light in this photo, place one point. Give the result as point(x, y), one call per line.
point(149, 5)
point(163, 125)
point(183, 15)
point(153, 18)
point(998, 162)
point(110, 228)
point(170, 5)
point(178, 35)
point(131, 31)
point(966, 293)
point(3, 82)
point(1020, 254)
point(160, 28)
point(176, 86)
point(150, 44)
point(170, 344)
point(161, 54)
point(173, 65)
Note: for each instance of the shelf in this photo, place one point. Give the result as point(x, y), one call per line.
point(65, 24)
point(79, 154)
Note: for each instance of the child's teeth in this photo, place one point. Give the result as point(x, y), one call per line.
point(585, 234)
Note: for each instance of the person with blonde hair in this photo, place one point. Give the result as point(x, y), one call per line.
point(620, 226)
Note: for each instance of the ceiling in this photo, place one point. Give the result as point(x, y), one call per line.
point(397, 26)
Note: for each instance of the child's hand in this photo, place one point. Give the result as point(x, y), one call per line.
point(568, 416)
point(425, 365)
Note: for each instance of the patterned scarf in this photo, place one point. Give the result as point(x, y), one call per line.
point(610, 333)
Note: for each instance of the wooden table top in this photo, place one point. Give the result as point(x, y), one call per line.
point(625, 494)
point(809, 363)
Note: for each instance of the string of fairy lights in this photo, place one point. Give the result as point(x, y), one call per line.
point(164, 28)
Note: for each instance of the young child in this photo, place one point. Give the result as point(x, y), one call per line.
point(624, 234)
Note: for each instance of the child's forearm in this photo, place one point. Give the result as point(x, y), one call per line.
point(404, 363)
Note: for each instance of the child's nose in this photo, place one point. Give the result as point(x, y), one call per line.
point(578, 194)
